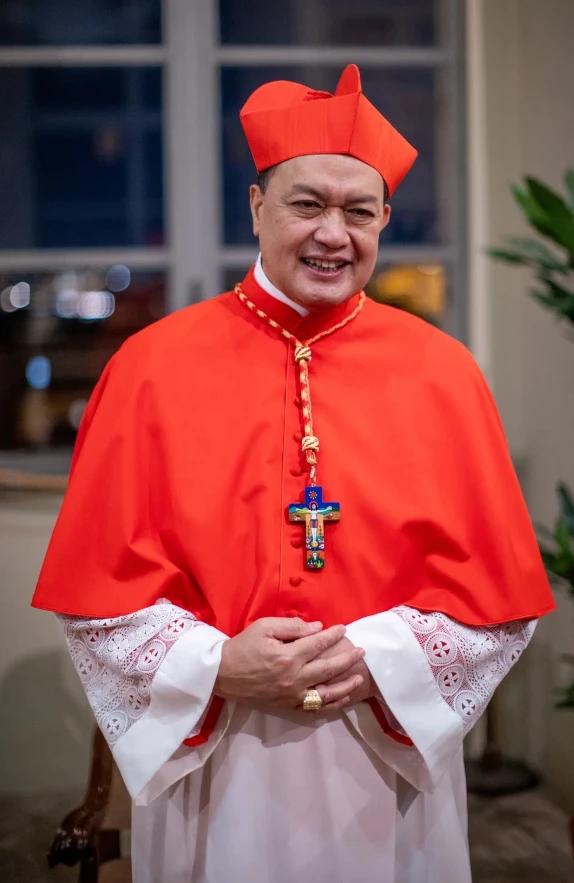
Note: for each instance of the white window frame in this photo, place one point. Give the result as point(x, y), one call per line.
point(190, 57)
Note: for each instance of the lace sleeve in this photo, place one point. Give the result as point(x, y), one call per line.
point(468, 662)
point(116, 660)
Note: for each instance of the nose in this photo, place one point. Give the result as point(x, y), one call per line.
point(332, 229)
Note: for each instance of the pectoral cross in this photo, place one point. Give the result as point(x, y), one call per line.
point(315, 512)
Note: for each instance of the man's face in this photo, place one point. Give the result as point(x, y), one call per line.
point(318, 224)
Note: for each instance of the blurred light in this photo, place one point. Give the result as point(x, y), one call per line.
point(20, 295)
point(5, 301)
point(39, 372)
point(118, 277)
point(96, 305)
point(66, 306)
point(421, 289)
point(76, 411)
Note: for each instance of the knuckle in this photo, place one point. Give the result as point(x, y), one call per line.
point(351, 660)
point(328, 672)
point(285, 685)
point(282, 663)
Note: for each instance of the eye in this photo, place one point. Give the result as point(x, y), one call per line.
point(361, 213)
point(307, 204)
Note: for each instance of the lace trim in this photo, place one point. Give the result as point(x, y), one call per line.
point(468, 662)
point(116, 660)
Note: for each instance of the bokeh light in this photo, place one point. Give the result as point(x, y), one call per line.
point(39, 372)
point(118, 277)
point(20, 295)
point(94, 305)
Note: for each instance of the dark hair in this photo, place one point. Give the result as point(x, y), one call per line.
point(264, 177)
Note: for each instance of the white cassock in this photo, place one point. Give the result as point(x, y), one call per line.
point(293, 797)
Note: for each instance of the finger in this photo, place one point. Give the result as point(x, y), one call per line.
point(337, 693)
point(322, 671)
point(340, 704)
point(357, 669)
point(285, 628)
point(308, 648)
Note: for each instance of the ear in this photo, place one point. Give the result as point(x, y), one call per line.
point(256, 204)
point(386, 217)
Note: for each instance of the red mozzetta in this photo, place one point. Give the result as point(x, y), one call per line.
point(189, 456)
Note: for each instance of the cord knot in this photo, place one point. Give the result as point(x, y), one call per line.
point(310, 443)
point(302, 353)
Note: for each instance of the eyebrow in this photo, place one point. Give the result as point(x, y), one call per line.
point(306, 190)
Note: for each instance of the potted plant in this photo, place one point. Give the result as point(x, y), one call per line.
point(551, 260)
point(550, 257)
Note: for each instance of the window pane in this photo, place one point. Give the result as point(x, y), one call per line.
point(80, 157)
point(79, 22)
point(57, 331)
point(409, 98)
point(329, 22)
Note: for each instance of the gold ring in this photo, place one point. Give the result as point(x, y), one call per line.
point(312, 701)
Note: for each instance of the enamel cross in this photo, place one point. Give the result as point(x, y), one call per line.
point(314, 512)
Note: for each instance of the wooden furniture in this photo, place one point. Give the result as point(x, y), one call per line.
point(96, 834)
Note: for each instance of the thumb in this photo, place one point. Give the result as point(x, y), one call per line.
point(285, 628)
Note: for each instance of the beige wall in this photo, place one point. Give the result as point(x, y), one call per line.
point(522, 121)
point(45, 724)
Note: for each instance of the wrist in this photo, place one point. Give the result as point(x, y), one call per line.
point(219, 686)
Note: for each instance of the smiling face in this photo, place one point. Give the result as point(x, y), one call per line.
point(318, 224)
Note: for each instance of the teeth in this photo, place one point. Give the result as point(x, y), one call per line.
point(325, 265)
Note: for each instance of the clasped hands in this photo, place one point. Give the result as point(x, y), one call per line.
point(274, 661)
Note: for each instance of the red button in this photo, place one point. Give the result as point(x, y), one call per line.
point(295, 580)
point(297, 542)
point(295, 471)
point(297, 436)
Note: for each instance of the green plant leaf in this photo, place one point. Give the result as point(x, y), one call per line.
point(547, 300)
point(548, 559)
point(536, 252)
point(560, 291)
point(558, 297)
point(543, 532)
point(558, 213)
point(509, 257)
point(569, 183)
point(550, 201)
point(567, 700)
point(566, 507)
point(534, 214)
point(563, 538)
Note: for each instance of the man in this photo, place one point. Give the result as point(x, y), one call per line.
point(294, 562)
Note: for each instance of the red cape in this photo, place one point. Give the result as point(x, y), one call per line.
point(188, 457)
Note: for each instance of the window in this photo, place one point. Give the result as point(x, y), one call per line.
point(121, 153)
point(411, 68)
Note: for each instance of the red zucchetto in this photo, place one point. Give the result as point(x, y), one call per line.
point(282, 120)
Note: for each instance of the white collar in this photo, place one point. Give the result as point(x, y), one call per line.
point(267, 285)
